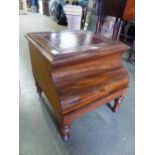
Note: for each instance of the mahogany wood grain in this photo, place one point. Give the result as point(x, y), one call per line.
point(78, 72)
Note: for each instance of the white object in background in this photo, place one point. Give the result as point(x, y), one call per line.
point(40, 7)
point(74, 16)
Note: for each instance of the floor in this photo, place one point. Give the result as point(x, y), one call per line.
point(100, 132)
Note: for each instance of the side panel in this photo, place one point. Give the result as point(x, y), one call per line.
point(42, 69)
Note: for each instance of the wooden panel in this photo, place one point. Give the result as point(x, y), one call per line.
point(42, 73)
point(110, 7)
point(84, 82)
point(93, 105)
point(129, 12)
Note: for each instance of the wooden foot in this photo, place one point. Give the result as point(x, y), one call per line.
point(65, 131)
point(117, 104)
point(39, 90)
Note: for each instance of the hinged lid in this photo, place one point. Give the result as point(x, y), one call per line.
point(71, 42)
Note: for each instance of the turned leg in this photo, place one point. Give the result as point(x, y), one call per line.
point(132, 53)
point(65, 131)
point(39, 90)
point(117, 104)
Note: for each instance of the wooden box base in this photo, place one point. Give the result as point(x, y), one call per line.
point(77, 76)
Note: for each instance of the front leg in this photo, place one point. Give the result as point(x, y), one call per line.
point(117, 104)
point(65, 132)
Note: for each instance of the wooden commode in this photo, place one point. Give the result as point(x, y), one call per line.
point(78, 72)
